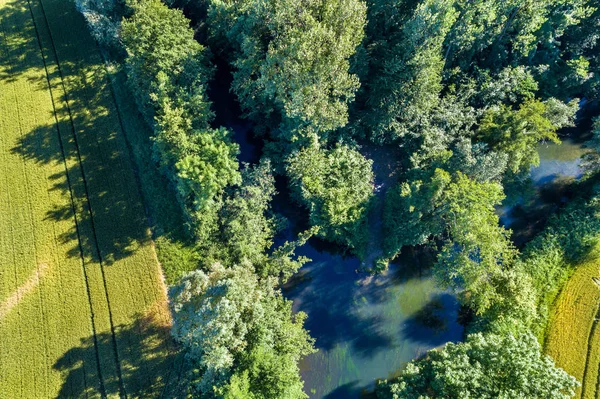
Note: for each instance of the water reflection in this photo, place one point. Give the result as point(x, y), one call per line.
point(558, 160)
point(560, 165)
point(366, 326)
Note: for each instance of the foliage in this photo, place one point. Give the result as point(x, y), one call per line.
point(281, 264)
point(478, 250)
point(510, 86)
point(240, 334)
point(484, 366)
point(477, 255)
point(405, 72)
point(412, 212)
point(291, 61)
point(495, 34)
point(516, 132)
point(414, 209)
point(336, 186)
point(167, 72)
point(248, 225)
point(104, 20)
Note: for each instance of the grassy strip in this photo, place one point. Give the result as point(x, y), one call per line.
point(175, 248)
point(570, 339)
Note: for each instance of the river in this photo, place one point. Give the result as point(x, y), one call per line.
point(367, 327)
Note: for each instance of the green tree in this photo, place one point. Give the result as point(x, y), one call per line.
point(477, 257)
point(167, 73)
point(412, 212)
point(494, 34)
point(484, 367)
point(591, 159)
point(104, 19)
point(240, 334)
point(478, 251)
point(517, 132)
point(336, 186)
point(291, 61)
point(248, 224)
point(414, 209)
point(405, 76)
point(164, 60)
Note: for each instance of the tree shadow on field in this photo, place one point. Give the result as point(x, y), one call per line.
point(151, 368)
point(19, 48)
point(89, 140)
point(92, 128)
point(99, 178)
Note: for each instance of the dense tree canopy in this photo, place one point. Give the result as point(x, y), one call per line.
point(462, 92)
point(406, 72)
point(336, 186)
point(478, 251)
point(483, 367)
point(240, 334)
point(291, 61)
point(167, 72)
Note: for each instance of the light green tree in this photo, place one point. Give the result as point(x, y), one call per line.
point(240, 334)
point(517, 132)
point(483, 367)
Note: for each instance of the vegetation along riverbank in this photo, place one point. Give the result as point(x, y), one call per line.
point(285, 199)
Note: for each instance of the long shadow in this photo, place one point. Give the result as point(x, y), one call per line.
point(93, 148)
point(157, 372)
point(99, 171)
point(117, 218)
point(14, 39)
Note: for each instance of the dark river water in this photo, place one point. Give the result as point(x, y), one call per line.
point(560, 164)
point(367, 327)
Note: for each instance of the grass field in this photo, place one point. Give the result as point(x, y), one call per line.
point(82, 301)
point(573, 338)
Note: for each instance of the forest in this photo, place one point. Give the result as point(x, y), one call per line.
point(393, 127)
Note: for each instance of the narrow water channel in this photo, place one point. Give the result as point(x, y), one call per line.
point(560, 165)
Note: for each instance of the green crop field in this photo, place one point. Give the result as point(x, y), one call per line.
point(82, 301)
point(573, 338)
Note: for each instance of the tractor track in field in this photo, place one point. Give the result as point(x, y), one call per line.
point(72, 202)
point(73, 206)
